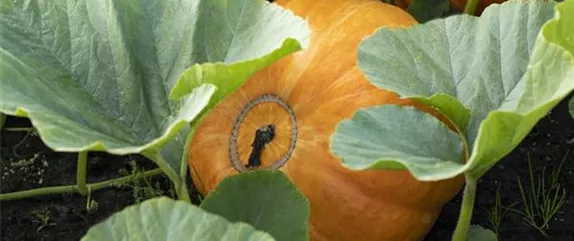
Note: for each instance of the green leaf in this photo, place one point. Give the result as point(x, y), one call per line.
point(426, 10)
point(509, 68)
point(6, 6)
point(448, 106)
point(549, 79)
point(96, 75)
point(165, 219)
point(265, 199)
point(478, 233)
point(220, 74)
point(394, 137)
point(479, 61)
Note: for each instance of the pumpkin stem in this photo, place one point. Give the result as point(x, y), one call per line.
point(263, 136)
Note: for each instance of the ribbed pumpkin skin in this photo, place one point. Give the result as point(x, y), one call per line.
point(323, 86)
point(456, 4)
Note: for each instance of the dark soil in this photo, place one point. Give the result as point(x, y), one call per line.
point(26, 164)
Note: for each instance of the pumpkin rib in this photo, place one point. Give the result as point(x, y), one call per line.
point(323, 85)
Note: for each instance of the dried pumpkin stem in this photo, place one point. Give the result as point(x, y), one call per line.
point(233, 149)
point(263, 136)
point(463, 224)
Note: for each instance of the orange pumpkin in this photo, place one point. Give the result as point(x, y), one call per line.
point(456, 4)
point(289, 111)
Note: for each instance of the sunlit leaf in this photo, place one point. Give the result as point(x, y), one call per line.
point(391, 137)
point(162, 219)
point(267, 200)
point(96, 75)
point(508, 68)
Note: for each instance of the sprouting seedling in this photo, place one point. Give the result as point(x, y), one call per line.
point(497, 212)
point(543, 199)
point(43, 218)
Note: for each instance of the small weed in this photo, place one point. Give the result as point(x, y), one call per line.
point(497, 213)
point(43, 219)
point(543, 200)
point(143, 189)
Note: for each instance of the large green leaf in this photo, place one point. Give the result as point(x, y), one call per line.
point(161, 219)
point(265, 199)
point(384, 136)
point(509, 68)
point(96, 75)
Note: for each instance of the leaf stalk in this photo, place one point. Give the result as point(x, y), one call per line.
point(469, 195)
point(179, 184)
point(81, 173)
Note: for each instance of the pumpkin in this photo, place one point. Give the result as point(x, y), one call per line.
point(456, 4)
point(284, 115)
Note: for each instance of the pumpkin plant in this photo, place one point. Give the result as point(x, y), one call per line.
point(96, 75)
point(494, 77)
point(283, 116)
point(271, 209)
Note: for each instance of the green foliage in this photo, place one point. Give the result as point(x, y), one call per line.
point(506, 69)
point(97, 75)
point(506, 89)
point(267, 200)
point(388, 137)
point(166, 219)
point(543, 199)
point(240, 205)
point(449, 106)
point(478, 233)
point(42, 218)
point(144, 188)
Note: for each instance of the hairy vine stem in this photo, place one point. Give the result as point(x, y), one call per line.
point(179, 184)
point(74, 188)
point(468, 197)
point(81, 173)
